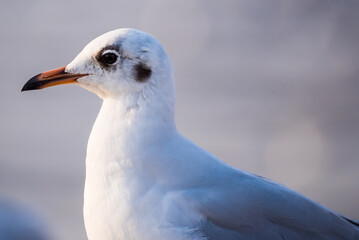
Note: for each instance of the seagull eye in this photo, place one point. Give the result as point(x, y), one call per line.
point(109, 58)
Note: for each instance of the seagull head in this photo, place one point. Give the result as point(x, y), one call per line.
point(121, 63)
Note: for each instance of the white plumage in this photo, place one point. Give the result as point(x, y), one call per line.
point(146, 181)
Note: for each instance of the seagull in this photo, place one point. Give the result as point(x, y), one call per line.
point(144, 180)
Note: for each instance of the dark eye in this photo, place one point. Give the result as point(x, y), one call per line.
point(109, 58)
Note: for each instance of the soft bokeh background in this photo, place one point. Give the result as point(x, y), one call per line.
point(268, 86)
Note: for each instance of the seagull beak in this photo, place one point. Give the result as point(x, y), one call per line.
point(51, 78)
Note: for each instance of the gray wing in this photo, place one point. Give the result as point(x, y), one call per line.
point(243, 206)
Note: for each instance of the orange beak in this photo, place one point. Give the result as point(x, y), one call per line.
point(51, 78)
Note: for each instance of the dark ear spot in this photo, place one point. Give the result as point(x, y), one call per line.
point(142, 72)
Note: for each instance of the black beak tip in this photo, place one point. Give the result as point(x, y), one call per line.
point(32, 84)
point(26, 88)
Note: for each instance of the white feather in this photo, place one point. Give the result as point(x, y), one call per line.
point(146, 181)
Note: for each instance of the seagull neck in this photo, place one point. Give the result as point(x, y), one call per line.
point(125, 128)
point(138, 111)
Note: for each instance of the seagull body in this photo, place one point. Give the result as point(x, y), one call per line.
point(144, 180)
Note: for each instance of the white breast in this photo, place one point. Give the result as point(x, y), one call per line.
point(122, 201)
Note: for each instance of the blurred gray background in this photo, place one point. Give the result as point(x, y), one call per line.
point(268, 86)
